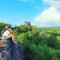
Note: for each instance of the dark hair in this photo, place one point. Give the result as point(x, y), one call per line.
point(6, 28)
point(9, 26)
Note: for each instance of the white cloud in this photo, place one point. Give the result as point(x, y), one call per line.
point(26, 0)
point(49, 17)
point(54, 3)
point(23, 0)
point(38, 7)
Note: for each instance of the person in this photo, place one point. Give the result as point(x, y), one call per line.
point(14, 47)
point(9, 38)
point(8, 33)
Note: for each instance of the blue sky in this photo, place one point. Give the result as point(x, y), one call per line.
point(35, 11)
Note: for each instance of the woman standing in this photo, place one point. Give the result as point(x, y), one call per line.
point(16, 50)
point(8, 37)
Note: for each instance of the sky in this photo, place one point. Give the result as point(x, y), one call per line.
point(43, 13)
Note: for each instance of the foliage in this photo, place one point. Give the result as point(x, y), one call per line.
point(39, 43)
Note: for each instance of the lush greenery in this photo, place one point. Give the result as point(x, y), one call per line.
point(38, 43)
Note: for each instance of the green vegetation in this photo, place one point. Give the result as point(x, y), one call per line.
point(38, 43)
